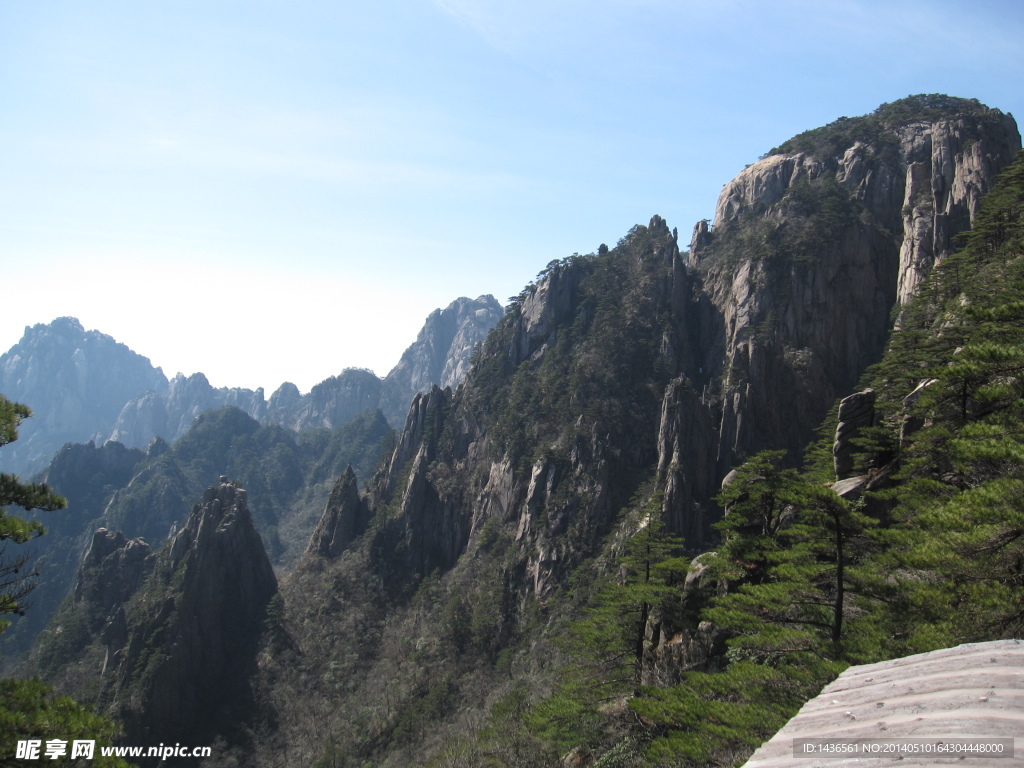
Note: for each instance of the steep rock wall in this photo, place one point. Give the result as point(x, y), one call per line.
point(191, 644)
point(441, 353)
point(813, 251)
point(76, 382)
point(696, 362)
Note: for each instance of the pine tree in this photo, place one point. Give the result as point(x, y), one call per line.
point(15, 578)
point(953, 571)
point(28, 708)
point(610, 643)
point(789, 554)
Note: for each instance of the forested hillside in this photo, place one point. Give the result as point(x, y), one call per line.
point(920, 549)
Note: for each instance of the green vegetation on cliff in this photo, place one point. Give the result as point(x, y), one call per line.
point(552, 623)
point(877, 128)
point(956, 536)
point(930, 559)
point(29, 710)
point(15, 580)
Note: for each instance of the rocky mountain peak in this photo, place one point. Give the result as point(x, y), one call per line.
point(203, 612)
point(219, 534)
point(112, 569)
point(917, 168)
point(813, 246)
point(75, 381)
point(332, 402)
point(284, 396)
point(441, 353)
point(345, 517)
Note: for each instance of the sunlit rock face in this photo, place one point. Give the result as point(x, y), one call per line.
point(76, 382)
point(441, 353)
point(812, 252)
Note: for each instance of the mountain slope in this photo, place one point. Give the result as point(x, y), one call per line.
point(440, 355)
point(178, 629)
point(427, 619)
point(619, 380)
point(147, 495)
point(76, 382)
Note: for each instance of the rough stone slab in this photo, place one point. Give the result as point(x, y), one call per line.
point(972, 691)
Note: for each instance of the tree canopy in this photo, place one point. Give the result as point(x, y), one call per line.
point(28, 708)
point(15, 580)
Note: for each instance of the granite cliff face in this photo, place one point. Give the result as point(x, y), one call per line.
point(554, 428)
point(440, 355)
point(76, 382)
point(112, 570)
point(921, 183)
point(344, 518)
point(648, 365)
point(166, 640)
point(330, 403)
point(815, 247)
point(193, 626)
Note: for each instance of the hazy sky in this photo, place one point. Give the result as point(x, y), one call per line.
point(270, 191)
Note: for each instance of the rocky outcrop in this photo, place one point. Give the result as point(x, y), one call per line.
point(334, 401)
point(544, 307)
point(566, 500)
point(423, 424)
point(112, 571)
point(152, 503)
point(140, 421)
point(685, 445)
point(285, 401)
point(344, 519)
point(855, 413)
point(950, 165)
point(170, 417)
point(427, 527)
point(441, 353)
point(76, 382)
point(815, 245)
point(187, 662)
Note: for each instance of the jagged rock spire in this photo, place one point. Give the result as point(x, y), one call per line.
point(344, 518)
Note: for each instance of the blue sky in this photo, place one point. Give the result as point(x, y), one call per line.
point(276, 191)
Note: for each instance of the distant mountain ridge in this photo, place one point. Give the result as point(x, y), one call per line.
point(76, 382)
point(83, 385)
